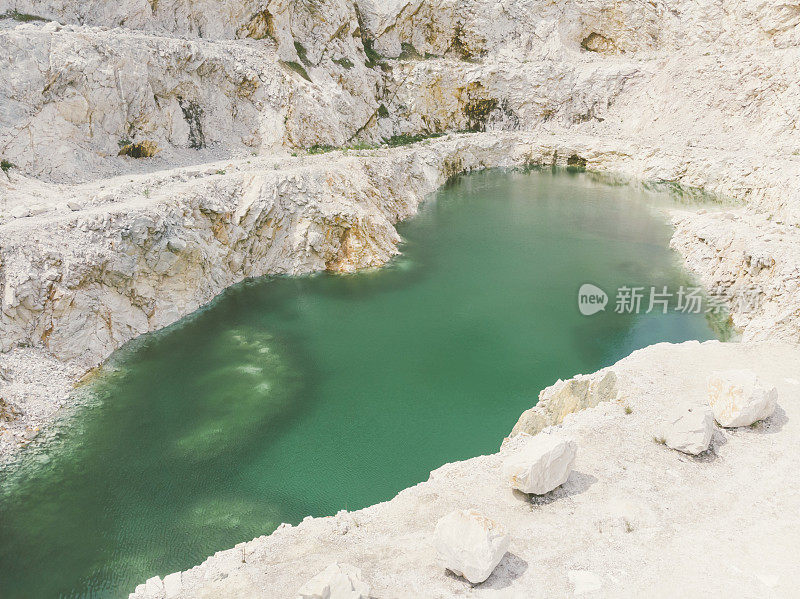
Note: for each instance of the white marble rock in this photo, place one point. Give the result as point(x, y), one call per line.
point(689, 429)
point(543, 463)
point(739, 398)
point(470, 544)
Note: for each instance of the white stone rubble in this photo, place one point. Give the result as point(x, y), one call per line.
point(740, 398)
point(337, 581)
point(469, 544)
point(541, 464)
point(689, 428)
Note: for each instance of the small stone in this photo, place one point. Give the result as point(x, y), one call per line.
point(20, 212)
point(584, 581)
point(337, 581)
point(469, 544)
point(73, 205)
point(543, 463)
point(176, 245)
point(689, 429)
point(739, 398)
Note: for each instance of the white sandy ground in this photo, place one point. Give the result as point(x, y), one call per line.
point(647, 521)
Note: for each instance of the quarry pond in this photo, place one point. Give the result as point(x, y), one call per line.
point(289, 397)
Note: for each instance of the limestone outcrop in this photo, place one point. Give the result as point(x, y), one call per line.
point(751, 262)
point(218, 80)
point(203, 80)
point(567, 397)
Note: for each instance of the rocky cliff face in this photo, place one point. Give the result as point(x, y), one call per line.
point(207, 80)
point(199, 80)
point(153, 152)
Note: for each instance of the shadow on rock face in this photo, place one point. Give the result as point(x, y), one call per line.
point(771, 425)
point(710, 455)
point(507, 571)
point(577, 483)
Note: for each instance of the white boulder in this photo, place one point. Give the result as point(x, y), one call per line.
point(337, 581)
point(541, 464)
point(739, 398)
point(469, 544)
point(689, 429)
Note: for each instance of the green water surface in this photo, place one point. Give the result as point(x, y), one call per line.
point(296, 396)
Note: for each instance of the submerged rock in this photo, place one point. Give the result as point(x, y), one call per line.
point(543, 463)
point(469, 544)
point(739, 398)
point(337, 581)
point(689, 429)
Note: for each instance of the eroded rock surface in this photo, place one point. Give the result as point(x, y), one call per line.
point(566, 397)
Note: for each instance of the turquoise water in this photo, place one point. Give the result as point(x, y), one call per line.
point(289, 397)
